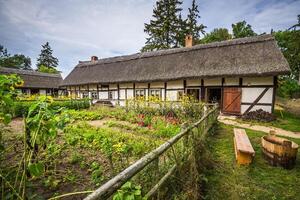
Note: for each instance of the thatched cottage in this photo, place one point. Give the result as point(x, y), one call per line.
point(240, 74)
point(37, 82)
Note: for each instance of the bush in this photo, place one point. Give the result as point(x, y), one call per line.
point(21, 107)
point(288, 88)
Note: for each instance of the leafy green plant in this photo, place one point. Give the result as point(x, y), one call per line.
point(97, 173)
point(129, 192)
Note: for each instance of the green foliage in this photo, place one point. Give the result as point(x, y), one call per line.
point(97, 173)
point(129, 192)
point(36, 169)
point(46, 59)
point(163, 28)
point(22, 107)
point(217, 35)
point(192, 26)
point(289, 43)
point(242, 29)
point(287, 87)
point(7, 96)
point(45, 69)
point(42, 123)
point(18, 61)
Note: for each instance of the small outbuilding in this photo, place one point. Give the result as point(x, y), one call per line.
point(37, 82)
point(239, 74)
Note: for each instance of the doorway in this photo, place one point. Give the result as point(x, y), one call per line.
point(232, 100)
point(214, 95)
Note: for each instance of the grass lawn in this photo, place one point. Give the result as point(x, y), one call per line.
point(258, 181)
point(285, 120)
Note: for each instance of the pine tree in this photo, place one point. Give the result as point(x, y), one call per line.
point(193, 28)
point(163, 28)
point(46, 59)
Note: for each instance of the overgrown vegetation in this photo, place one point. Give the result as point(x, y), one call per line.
point(258, 181)
point(45, 157)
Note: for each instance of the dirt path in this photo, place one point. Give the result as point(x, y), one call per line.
point(278, 131)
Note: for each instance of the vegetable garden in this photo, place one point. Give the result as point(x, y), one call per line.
point(66, 150)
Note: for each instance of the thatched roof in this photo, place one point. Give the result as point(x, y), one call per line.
point(33, 79)
point(253, 56)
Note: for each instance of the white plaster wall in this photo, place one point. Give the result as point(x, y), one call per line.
point(258, 80)
point(122, 94)
point(82, 87)
point(141, 85)
point(175, 84)
point(113, 86)
point(103, 95)
point(43, 92)
point(193, 82)
point(93, 87)
point(126, 85)
point(114, 94)
point(163, 94)
point(231, 81)
point(265, 108)
point(157, 85)
point(130, 94)
point(250, 94)
point(172, 95)
point(213, 82)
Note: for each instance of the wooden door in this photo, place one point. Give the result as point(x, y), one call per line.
point(232, 100)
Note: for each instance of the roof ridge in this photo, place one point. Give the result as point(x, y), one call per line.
point(30, 72)
point(236, 41)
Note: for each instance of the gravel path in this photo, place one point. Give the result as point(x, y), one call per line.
point(278, 131)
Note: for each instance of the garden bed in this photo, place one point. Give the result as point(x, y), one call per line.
point(95, 145)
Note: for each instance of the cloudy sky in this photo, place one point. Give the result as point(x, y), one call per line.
point(78, 29)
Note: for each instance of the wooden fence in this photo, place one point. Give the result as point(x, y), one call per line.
point(160, 164)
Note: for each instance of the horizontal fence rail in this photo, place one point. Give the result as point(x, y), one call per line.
point(165, 154)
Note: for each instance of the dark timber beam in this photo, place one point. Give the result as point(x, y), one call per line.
point(257, 100)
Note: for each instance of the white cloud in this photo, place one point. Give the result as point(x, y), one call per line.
point(77, 29)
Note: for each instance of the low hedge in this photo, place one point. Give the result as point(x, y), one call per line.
point(22, 107)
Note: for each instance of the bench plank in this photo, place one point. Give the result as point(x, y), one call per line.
point(242, 141)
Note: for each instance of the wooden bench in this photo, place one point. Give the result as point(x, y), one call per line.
point(244, 151)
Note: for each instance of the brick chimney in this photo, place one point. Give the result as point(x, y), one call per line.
point(94, 58)
point(188, 41)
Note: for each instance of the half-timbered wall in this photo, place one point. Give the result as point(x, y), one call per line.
point(252, 88)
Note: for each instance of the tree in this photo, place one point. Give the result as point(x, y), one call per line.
point(193, 28)
point(289, 43)
point(242, 29)
point(294, 27)
point(46, 59)
point(163, 29)
point(18, 61)
point(218, 34)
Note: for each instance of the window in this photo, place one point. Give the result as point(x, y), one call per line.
point(94, 95)
point(155, 93)
point(139, 93)
point(110, 95)
point(85, 95)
